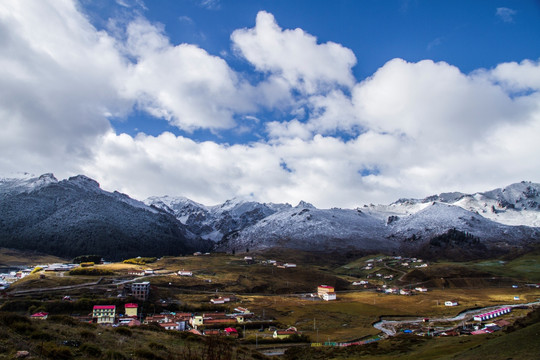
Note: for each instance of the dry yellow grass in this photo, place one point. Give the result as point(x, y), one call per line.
point(12, 257)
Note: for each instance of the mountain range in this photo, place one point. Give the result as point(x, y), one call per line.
point(75, 216)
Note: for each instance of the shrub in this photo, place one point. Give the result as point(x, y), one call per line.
point(147, 354)
point(156, 346)
point(53, 351)
point(36, 269)
point(140, 260)
point(114, 355)
point(40, 335)
point(87, 264)
point(91, 350)
point(9, 319)
point(63, 319)
point(85, 334)
point(123, 331)
point(87, 258)
point(90, 271)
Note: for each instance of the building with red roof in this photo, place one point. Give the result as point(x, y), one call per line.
point(40, 315)
point(131, 309)
point(104, 314)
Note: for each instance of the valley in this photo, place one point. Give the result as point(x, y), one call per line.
point(278, 289)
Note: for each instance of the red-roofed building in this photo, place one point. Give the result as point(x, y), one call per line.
point(40, 315)
point(104, 314)
point(131, 309)
point(231, 332)
point(326, 292)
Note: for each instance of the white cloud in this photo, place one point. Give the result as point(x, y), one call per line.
point(506, 14)
point(58, 79)
point(420, 128)
point(294, 55)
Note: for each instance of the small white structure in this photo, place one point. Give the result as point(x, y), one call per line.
point(420, 289)
point(289, 265)
point(329, 296)
point(451, 303)
point(185, 273)
point(220, 300)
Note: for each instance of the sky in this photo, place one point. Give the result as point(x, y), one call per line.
point(337, 103)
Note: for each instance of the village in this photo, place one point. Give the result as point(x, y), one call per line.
point(381, 275)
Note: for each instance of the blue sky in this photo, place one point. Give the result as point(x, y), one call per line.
point(339, 103)
point(467, 34)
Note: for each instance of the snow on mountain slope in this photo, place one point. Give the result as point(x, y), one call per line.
point(438, 217)
point(74, 217)
point(306, 227)
point(516, 204)
point(24, 182)
point(214, 222)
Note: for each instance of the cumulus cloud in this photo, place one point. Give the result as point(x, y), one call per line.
point(294, 55)
point(52, 64)
point(410, 129)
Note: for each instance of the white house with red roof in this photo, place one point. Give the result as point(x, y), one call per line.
point(104, 314)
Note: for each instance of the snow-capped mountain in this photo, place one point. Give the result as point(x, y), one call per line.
point(516, 204)
point(214, 222)
point(75, 216)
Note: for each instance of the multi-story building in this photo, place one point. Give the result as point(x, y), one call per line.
point(140, 290)
point(104, 314)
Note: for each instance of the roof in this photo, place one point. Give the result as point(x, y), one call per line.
point(131, 305)
point(104, 307)
point(230, 329)
point(326, 286)
point(40, 314)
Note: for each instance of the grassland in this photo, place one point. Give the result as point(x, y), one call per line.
point(12, 257)
point(275, 293)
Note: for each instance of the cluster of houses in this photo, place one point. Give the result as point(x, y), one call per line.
point(201, 324)
point(401, 261)
point(402, 291)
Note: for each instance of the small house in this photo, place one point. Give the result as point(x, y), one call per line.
point(40, 316)
point(284, 334)
point(130, 310)
point(451, 303)
point(185, 273)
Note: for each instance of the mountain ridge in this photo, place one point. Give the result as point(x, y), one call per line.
point(75, 213)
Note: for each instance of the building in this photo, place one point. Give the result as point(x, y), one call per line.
point(104, 314)
point(131, 310)
point(169, 326)
point(284, 334)
point(451, 303)
point(40, 316)
point(185, 273)
point(326, 292)
point(140, 290)
point(421, 289)
point(492, 314)
point(220, 300)
point(329, 296)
